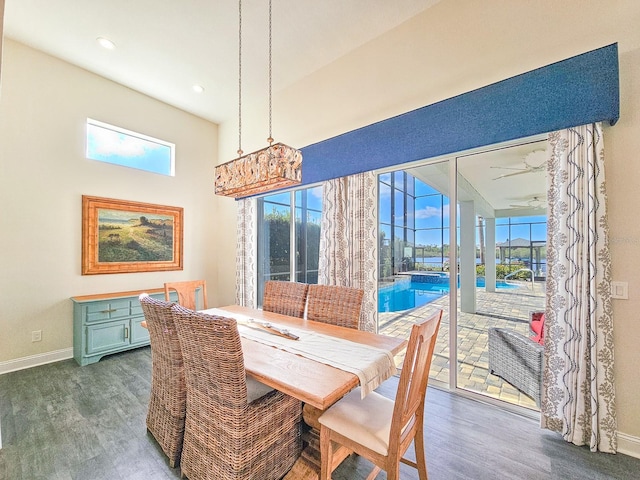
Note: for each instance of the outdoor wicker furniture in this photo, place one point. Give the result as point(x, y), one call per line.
point(285, 298)
point(227, 436)
point(335, 304)
point(187, 293)
point(167, 405)
point(516, 359)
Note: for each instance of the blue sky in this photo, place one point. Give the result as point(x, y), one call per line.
point(431, 216)
point(107, 145)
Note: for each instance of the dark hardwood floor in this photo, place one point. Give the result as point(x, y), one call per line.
point(62, 421)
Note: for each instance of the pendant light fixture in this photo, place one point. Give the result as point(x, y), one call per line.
point(273, 167)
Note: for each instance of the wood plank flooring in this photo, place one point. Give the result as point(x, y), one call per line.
point(65, 422)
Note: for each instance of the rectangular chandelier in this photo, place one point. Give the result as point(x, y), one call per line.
point(272, 168)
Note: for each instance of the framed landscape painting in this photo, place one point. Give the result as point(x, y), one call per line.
point(119, 236)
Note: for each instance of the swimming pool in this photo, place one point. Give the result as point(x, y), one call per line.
point(403, 295)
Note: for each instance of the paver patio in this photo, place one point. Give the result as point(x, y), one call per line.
point(508, 308)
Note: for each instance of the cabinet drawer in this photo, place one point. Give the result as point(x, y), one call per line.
point(108, 310)
point(107, 336)
point(136, 308)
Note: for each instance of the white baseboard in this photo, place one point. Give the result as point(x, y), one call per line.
point(35, 360)
point(629, 445)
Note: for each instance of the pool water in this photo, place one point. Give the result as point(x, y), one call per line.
point(404, 295)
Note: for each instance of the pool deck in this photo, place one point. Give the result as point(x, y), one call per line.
point(507, 308)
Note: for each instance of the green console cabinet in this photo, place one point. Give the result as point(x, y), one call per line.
point(109, 323)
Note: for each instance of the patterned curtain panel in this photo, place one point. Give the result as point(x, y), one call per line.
point(334, 267)
point(348, 241)
point(578, 394)
point(246, 250)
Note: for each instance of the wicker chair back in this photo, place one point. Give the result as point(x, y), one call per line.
point(226, 437)
point(285, 298)
point(167, 404)
point(334, 304)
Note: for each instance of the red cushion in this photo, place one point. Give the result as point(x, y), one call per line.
point(537, 326)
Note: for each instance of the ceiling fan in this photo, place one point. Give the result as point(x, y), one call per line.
point(535, 161)
point(534, 201)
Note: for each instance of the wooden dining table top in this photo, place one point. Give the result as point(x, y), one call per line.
point(312, 382)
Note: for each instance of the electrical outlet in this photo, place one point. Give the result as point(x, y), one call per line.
point(620, 290)
point(36, 336)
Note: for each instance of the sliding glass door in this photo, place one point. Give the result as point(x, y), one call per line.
point(414, 255)
point(497, 266)
point(501, 218)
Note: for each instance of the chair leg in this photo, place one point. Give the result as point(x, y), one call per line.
point(394, 472)
point(325, 454)
point(421, 460)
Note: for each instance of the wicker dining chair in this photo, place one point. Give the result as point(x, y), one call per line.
point(167, 405)
point(231, 432)
point(334, 304)
point(377, 428)
point(187, 293)
point(285, 298)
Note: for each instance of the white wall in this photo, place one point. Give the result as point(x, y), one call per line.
point(44, 173)
point(460, 45)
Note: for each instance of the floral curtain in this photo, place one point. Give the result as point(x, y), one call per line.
point(246, 250)
point(578, 394)
point(348, 239)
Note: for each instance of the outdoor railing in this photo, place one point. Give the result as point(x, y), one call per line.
point(533, 276)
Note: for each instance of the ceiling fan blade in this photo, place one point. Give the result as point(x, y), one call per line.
point(535, 203)
point(512, 168)
point(512, 174)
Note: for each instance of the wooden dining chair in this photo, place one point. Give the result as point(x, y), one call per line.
point(285, 298)
point(168, 401)
point(335, 304)
point(381, 429)
point(236, 428)
point(187, 293)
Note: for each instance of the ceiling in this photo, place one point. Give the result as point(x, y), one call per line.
point(164, 47)
point(511, 180)
point(502, 181)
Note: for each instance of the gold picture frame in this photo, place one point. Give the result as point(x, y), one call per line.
point(120, 236)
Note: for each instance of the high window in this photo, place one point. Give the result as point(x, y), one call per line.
point(289, 236)
point(110, 144)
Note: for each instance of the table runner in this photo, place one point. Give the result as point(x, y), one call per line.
point(372, 365)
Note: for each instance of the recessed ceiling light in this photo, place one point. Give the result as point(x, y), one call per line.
point(198, 88)
point(106, 43)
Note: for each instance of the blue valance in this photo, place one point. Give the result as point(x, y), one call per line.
point(576, 91)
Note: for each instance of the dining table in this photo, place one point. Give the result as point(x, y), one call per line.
point(318, 385)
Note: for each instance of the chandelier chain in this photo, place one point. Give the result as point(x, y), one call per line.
point(270, 139)
point(240, 78)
